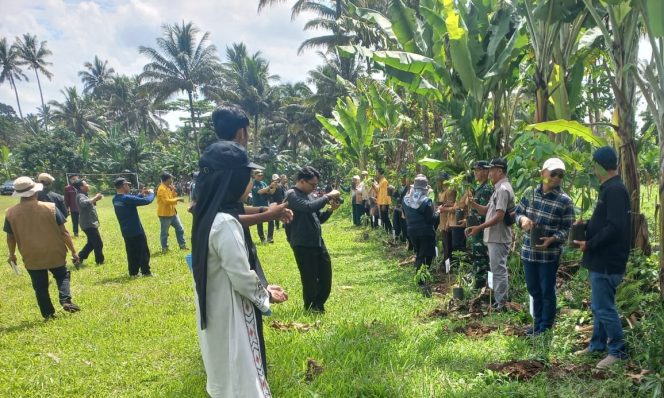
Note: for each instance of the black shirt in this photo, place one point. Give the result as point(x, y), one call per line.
point(55, 198)
point(59, 218)
point(279, 194)
point(421, 221)
point(305, 228)
point(608, 233)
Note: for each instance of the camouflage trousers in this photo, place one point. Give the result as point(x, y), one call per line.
point(480, 258)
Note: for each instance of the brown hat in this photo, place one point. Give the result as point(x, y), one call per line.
point(45, 178)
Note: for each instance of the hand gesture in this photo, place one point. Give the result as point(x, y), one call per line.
point(181, 200)
point(334, 193)
point(280, 212)
point(277, 293)
point(526, 223)
point(583, 245)
point(472, 231)
point(334, 205)
point(546, 242)
point(99, 196)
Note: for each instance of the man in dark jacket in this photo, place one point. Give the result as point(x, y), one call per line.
point(46, 195)
point(605, 253)
point(306, 240)
point(136, 243)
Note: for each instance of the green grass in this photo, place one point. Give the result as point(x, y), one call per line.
point(137, 337)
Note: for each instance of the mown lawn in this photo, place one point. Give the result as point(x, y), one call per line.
point(137, 337)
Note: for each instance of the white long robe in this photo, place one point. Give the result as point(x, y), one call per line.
point(229, 343)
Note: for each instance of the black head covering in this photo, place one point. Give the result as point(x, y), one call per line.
point(225, 171)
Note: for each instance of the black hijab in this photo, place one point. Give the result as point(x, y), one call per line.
point(225, 172)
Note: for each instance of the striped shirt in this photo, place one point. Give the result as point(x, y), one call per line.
point(555, 211)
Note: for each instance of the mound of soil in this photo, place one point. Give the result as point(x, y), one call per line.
point(296, 326)
point(519, 370)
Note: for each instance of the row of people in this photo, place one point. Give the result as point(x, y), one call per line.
point(545, 214)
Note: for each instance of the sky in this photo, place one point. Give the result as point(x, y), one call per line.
point(76, 31)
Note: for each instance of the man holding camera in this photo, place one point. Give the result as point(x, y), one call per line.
point(306, 240)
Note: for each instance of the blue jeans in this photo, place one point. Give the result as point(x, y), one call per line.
point(607, 330)
point(541, 284)
point(166, 223)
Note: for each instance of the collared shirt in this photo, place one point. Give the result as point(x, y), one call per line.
point(125, 210)
point(167, 199)
point(482, 195)
point(88, 212)
point(258, 199)
point(553, 210)
point(307, 218)
point(502, 199)
point(383, 199)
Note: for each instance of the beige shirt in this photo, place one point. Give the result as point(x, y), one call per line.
point(502, 199)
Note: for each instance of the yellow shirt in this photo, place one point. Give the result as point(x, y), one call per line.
point(167, 198)
point(383, 198)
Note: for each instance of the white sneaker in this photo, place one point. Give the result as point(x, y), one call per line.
point(607, 362)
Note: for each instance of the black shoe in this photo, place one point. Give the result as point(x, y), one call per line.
point(148, 275)
point(70, 307)
point(49, 317)
point(270, 240)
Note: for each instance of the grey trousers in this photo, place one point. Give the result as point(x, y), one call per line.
point(498, 253)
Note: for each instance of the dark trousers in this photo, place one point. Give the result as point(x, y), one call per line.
point(316, 274)
point(94, 243)
point(270, 230)
point(138, 254)
point(74, 222)
point(40, 285)
point(385, 217)
point(425, 250)
point(276, 224)
point(541, 284)
point(399, 224)
point(447, 244)
point(358, 210)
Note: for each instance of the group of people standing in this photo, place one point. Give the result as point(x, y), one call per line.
point(486, 216)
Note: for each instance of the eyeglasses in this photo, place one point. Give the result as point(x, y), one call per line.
point(559, 174)
point(313, 185)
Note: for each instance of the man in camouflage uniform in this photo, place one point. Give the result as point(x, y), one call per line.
point(479, 251)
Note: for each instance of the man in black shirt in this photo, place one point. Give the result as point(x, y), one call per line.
point(279, 194)
point(46, 195)
point(306, 240)
point(605, 253)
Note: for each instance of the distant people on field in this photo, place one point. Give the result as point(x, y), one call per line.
point(481, 195)
point(38, 230)
point(383, 199)
point(136, 243)
point(167, 200)
point(279, 194)
point(89, 221)
point(398, 217)
point(70, 202)
point(260, 197)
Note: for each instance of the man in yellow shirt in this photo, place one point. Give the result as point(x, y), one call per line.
point(167, 200)
point(383, 199)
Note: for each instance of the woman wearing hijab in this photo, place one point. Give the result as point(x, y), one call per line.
point(231, 290)
point(422, 221)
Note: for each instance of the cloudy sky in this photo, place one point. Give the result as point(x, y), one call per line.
point(76, 31)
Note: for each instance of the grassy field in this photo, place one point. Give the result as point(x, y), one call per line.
point(137, 337)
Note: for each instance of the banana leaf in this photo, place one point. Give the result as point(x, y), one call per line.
point(574, 128)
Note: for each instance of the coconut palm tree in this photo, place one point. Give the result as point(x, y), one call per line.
point(33, 55)
point(75, 113)
point(96, 77)
point(180, 65)
point(10, 68)
point(131, 106)
point(246, 83)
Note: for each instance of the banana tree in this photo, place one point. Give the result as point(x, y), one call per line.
point(618, 20)
point(650, 79)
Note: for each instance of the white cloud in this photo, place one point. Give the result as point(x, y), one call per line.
point(76, 31)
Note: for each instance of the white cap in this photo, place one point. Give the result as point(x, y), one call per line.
point(553, 164)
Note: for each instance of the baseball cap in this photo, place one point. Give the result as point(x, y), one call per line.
point(120, 181)
point(498, 162)
point(481, 164)
point(553, 164)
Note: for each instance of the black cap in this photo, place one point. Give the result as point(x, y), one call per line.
point(225, 155)
point(606, 157)
point(120, 181)
point(481, 164)
point(77, 184)
point(498, 162)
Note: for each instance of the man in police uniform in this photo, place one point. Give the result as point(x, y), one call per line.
point(479, 251)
